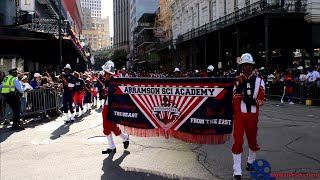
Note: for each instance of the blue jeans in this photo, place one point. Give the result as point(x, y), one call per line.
point(23, 104)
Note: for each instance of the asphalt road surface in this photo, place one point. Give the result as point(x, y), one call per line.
point(289, 137)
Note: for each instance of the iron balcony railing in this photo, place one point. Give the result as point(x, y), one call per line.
point(260, 7)
point(47, 26)
point(147, 40)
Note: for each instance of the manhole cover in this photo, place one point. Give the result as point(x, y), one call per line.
point(98, 139)
point(44, 141)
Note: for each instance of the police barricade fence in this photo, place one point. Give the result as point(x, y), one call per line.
point(301, 92)
point(39, 101)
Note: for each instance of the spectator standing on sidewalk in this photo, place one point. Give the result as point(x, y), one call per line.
point(36, 81)
point(124, 73)
point(26, 87)
point(312, 77)
point(288, 85)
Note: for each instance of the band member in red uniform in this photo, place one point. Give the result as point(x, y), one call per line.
point(78, 93)
point(288, 85)
point(108, 126)
point(248, 97)
point(101, 86)
point(88, 95)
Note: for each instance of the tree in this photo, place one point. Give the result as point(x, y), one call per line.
point(100, 57)
point(119, 58)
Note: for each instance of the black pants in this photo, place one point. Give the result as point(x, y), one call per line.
point(67, 102)
point(101, 94)
point(14, 102)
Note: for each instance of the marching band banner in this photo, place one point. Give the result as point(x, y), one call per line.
point(195, 110)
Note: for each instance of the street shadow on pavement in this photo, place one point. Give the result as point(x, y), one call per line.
point(62, 130)
point(112, 170)
point(5, 133)
point(99, 110)
point(81, 118)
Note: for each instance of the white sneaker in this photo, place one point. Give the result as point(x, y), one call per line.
point(291, 103)
point(281, 101)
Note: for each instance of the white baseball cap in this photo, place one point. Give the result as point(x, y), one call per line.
point(36, 75)
point(24, 77)
point(176, 70)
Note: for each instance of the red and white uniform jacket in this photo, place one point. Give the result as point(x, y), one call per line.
point(249, 95)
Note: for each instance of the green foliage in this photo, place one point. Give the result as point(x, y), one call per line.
point(119, 58)
point(153, 60)
point(100, 57)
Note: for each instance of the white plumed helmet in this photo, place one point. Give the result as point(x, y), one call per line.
point(246, 58)
point(176, 70)
point(67, 66)
point(210, 68)
point(108, 67)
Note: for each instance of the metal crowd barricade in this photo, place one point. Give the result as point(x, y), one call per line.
point(301, 92)
point(38, 101)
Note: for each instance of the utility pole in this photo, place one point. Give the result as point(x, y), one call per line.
point(60, 35)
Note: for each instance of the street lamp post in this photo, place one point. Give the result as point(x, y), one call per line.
point(60, 36)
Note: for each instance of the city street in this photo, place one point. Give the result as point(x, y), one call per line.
point(289, 137)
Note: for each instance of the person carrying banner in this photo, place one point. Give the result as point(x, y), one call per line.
point(248, 97)
point(108, 126)
point(68, 84)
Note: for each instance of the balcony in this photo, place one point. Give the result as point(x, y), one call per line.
point(258, 8)
point(47, 26)
point(146, 40)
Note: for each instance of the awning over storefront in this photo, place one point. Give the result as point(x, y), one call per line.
point(21, 34)
point(39, 47)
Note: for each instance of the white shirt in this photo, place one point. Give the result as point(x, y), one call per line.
point(303, 77)
point(313, 76)
point(270, 77)
point(24, 87)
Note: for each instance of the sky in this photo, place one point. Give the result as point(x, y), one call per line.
point(107, 10)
